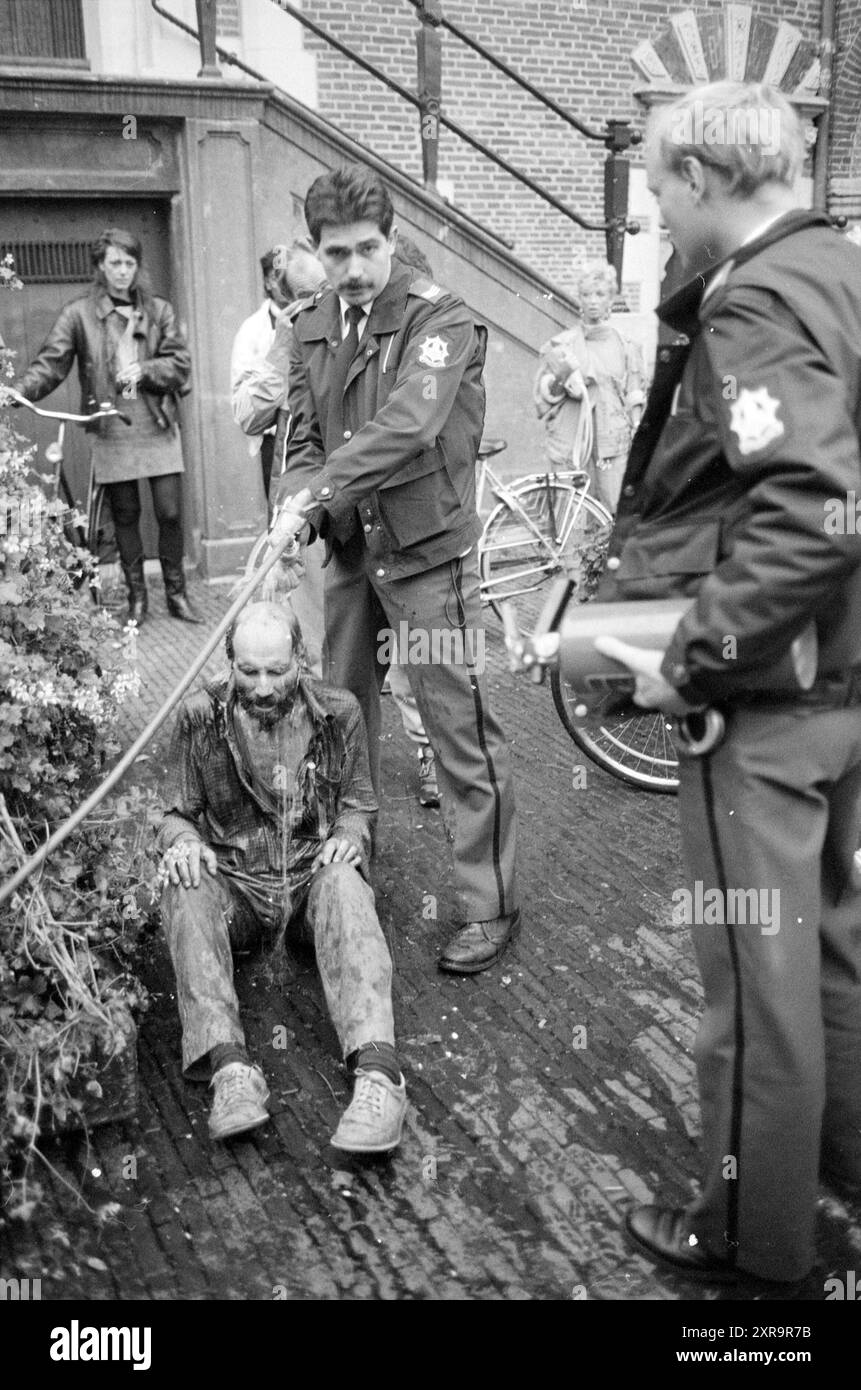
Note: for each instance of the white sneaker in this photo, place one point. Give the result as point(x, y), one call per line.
point(374, 1119)
point(239, 1102)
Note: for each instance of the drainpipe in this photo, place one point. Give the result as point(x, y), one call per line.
point(823, 125)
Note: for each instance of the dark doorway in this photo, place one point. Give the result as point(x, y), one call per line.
point(53, 236)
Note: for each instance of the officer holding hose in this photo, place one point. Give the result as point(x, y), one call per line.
point(745, 462)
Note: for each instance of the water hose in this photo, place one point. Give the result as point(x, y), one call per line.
point(278, 545)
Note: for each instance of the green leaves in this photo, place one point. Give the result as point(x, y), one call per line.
point(66, 937)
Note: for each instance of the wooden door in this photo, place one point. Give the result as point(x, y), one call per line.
point(52, 237)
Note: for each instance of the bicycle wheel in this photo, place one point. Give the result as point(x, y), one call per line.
point(637, 748)
point(102, 545)
point(556, 529)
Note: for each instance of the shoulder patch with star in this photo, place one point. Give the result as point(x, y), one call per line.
point(754, 420)
point(433, 352)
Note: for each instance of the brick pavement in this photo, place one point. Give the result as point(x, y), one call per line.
point(546, 1094)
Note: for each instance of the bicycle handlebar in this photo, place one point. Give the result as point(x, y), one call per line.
point(104, 411)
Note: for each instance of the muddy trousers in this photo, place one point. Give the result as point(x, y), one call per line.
point(205, 925)
point(775, 813)
point(440, 605)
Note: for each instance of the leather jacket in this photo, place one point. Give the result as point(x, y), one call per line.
point(80, 332)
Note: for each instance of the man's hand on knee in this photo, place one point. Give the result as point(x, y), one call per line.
point(183, 860)
point(337, 850)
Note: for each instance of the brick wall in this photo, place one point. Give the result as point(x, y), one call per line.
point(227, 18)
point(575, 50)
point(845, 161)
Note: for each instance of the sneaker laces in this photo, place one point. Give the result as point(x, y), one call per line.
point(368, 1095)
point(229, 1088)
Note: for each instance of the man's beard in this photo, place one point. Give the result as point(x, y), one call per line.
point(268, 715)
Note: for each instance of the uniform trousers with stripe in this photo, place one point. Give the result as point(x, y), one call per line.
point(777, 809)
point(472, 760)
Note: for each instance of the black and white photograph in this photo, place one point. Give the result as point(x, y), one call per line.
point(430, 670)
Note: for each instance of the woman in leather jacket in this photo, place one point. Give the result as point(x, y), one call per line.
point(129, 349)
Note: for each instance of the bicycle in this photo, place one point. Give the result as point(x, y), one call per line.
point(546, 525)
point(543, 525)
point(90, 536)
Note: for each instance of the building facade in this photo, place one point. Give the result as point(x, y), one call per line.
point(109, 115)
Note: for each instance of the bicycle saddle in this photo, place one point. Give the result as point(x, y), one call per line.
point(488, 447)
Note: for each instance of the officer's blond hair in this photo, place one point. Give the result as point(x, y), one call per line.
point(750, 133)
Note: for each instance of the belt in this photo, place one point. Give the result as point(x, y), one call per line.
point(827, 692)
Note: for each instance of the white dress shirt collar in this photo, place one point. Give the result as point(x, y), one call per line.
point(345, 327)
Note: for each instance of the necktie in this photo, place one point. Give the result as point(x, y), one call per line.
point(340, 368)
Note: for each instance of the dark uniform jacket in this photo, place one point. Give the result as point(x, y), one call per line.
point(397, 459)
point(80, 332)
point(748, 448)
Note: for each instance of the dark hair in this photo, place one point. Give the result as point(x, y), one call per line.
point(348, 194)
point(123, 241)
point(408, 253)
point(277, 610)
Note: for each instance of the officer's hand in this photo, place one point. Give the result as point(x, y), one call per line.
point(289, 520)
point(337, 850)
point(651, 691)
point(183, 861)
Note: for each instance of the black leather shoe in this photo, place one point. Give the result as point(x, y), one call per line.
point(479, 944)
point(663, 1234)
point(178, 605)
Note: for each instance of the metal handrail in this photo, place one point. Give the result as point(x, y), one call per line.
point(449, 124)
point(227, 57)
point(536, 92)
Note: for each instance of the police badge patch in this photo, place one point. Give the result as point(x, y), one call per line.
point(753, 420)
point(433, 352)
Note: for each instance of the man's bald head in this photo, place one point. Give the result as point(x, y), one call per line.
point(268, 617)
point(266, 648)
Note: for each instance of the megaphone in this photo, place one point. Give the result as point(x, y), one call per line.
point(565, 637)
point(651, 623)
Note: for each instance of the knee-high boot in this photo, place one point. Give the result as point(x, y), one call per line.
point(136, 585)
point(178, 605)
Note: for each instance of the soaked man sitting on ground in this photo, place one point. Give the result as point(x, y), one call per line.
point(267, 828)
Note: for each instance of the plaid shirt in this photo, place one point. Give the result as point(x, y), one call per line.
point(212, 794)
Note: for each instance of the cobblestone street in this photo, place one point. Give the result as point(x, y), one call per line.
point(546, 1094)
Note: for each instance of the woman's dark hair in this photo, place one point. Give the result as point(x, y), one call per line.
point(141, 292)
point(345, 195)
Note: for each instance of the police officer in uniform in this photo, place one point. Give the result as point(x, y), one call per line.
point(738, 490)
point(387, 403)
